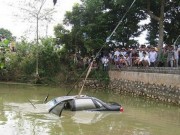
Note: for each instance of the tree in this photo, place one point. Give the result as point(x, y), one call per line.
point(63, 36)
point(171, 23)
point(94, 20)
point(128, 28)
point(36, 11)
point(97, 18)
point(6, 33)
point(160, 20)
point(166, 22)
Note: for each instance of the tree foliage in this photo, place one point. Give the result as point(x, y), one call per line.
point(171, 25)
point(20, 65)
point(94, 20)
point(6, 33)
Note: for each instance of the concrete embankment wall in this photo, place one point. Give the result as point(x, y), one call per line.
point(159, 86)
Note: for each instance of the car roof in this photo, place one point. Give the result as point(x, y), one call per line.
point(67, 98)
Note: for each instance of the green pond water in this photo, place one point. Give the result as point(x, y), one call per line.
point(140, 116)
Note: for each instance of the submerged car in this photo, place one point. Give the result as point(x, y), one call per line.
point(79, 103)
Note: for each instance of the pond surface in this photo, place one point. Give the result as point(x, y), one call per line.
point(140, 116)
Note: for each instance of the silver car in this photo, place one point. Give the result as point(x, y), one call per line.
point(78, 103)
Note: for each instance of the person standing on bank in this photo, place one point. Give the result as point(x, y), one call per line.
point(152, 57)
point(176, 56)
point(105, 62)
point(170, 56)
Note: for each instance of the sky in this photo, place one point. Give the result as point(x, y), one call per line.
point(12, 18)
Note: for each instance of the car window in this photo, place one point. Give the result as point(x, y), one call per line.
point(82, 104)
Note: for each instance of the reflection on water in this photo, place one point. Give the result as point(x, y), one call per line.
point(88, 117)
point(141, 117)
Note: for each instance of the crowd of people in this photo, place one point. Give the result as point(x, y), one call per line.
point(143, 57)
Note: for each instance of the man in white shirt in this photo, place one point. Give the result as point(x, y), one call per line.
point(140, 56)
point(144, 60)
point(105, 62)
point(117, 52)
point(152, 57)
point(176, 56)
point(141, 50)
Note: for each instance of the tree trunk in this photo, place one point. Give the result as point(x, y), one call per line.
point(160, 20)
point(161, 27)
point(37, 78)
